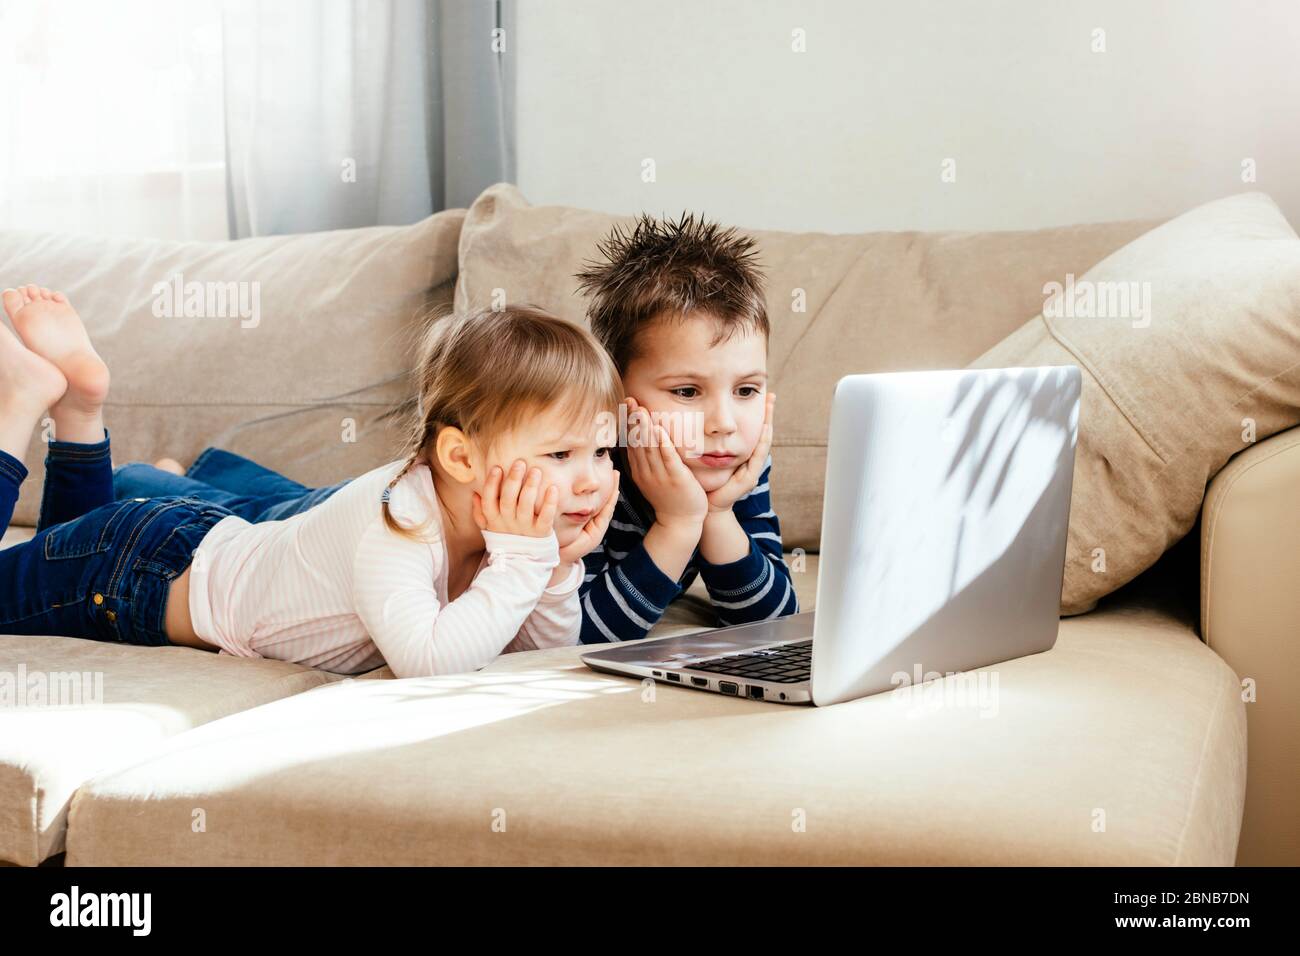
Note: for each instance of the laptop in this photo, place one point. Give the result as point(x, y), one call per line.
point(944, 519)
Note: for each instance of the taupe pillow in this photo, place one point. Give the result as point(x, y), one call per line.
point(302, 386)
point(1205, 360)
point(838, 304)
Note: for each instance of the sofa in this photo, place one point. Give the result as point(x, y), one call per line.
point(1160, 729)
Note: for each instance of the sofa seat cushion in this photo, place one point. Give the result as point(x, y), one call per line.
point(1125, 744)
point(114, 703)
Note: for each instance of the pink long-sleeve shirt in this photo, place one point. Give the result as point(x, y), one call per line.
point(336, 589)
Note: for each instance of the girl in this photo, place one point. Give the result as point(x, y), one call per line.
point(468, 546)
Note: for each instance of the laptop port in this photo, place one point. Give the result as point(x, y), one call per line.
point(755, 692)
point(700, 681)
point(727, 687)
point(675, 677)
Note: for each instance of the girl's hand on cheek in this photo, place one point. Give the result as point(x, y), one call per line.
point(593, 532)
point(513, 502)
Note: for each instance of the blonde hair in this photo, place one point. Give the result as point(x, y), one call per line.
point(487, 371)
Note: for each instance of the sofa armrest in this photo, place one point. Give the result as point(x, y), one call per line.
point(1250, 616)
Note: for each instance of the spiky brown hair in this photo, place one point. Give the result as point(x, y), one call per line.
point(661, 268)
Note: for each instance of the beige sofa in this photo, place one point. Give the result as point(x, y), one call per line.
point(1125, 744)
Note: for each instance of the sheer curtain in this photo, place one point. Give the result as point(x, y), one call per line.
point(356, 112)
point(111, 117)
point(229, 118)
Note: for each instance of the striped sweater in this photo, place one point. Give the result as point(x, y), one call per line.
point(624, 593)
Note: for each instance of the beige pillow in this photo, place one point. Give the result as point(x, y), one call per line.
point(294, 369)
point(1202, 360)
point(838, 304)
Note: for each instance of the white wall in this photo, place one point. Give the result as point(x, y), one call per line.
point(851, 134)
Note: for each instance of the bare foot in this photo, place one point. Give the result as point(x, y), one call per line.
point(169, 464)
point(49, 326)
point(29, 384)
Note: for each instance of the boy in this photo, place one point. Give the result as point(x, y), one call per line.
point(679, 306)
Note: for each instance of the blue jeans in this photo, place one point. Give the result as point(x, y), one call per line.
point(96, 568)
point(221, 477)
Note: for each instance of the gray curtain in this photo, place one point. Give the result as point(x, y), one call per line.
point(364, 112)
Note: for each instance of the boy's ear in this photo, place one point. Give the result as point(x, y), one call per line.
point(452, 449)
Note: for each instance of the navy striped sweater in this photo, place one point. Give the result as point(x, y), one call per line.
point(624, 593)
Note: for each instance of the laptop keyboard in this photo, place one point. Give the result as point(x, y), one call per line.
point(783, 664)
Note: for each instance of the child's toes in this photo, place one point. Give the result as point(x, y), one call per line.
point(33, 292)
point(60, 297)
point(13, 301)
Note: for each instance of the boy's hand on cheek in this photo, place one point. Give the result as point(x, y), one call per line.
point(660, 474)
point(745, 477)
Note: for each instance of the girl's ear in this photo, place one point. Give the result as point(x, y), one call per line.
point(452, 449)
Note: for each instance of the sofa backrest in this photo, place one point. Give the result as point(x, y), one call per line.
point(287, 349)
point(306, 389)
point(838, 305)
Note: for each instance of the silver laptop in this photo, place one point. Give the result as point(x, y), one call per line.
point(944, 524)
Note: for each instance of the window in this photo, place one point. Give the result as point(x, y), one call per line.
point(105, 128)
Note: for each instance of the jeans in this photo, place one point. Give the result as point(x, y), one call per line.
point(221, 477)
point(96, 568)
